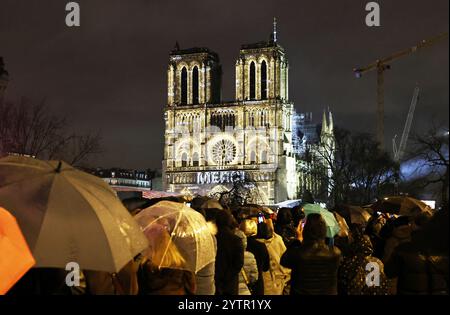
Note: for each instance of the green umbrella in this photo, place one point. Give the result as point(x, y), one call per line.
point(332, 225)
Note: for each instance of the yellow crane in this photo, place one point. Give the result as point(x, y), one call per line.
point(383, 64)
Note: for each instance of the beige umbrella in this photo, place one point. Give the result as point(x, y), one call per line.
point(67, 215)
point(401, 205)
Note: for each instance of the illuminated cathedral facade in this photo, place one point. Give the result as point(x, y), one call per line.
point(209, 144)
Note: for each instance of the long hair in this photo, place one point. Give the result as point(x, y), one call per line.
point(315, 228)
point(162, 252)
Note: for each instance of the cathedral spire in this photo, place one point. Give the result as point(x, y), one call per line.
point(324, 123)
point(274, 31)
point(330, 122)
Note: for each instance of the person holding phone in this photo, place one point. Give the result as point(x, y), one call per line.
point(313, 263)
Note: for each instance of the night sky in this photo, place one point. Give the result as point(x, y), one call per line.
point(110, 73)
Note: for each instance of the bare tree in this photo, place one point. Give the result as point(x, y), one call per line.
point(242, 192)
point(431, 149)
point(353, 168)
point(30, 129)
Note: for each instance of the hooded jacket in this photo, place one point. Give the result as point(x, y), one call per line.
point(277, 277)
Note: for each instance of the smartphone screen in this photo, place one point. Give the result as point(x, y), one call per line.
point(260, 219)
point(303, 223)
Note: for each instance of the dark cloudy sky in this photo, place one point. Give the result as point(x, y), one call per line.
point(110, 73)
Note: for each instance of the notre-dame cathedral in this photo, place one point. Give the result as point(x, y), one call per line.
point(209, 144)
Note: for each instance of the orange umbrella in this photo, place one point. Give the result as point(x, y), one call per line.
point(15, 258)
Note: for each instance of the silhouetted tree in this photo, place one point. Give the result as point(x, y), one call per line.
point(31, 129)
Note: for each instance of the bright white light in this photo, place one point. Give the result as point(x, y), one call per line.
point(430, 203)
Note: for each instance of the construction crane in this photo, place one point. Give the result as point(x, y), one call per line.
point(383, 64)
point(398, 151)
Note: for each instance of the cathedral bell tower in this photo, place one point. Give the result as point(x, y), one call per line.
point(262, 71)
point(194, 77)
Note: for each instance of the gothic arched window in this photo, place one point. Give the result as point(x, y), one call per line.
point(263, 80)
point(252, 81)
point(195, 85)
point(184, 84)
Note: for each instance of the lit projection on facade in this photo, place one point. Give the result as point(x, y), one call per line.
point(210, 144)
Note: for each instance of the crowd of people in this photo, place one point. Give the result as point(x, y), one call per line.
point(263, 252)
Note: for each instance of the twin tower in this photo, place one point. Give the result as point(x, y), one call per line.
point(195, 74)
point(252, 140)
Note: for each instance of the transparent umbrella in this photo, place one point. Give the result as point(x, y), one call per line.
point(179, 236)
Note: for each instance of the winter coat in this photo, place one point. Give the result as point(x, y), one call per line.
point(204, 278)
point(418, 271)
point(287, 232)
point(314, 268)
point(165, 281)
point(259, 250)
point(277, 277)
point(399, 235)
point(43, 281)
point(352, 272)
point(250, 270)
point(125, 282)
point(229, 262)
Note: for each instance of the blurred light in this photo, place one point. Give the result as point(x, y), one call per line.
point(430, 203)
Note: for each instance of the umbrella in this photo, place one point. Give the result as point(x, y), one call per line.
point(354, 214)
point(174, 230)
point(67, 215)
point(401, 205)
point(15, 257)
point(331, 222)
point(344, 231)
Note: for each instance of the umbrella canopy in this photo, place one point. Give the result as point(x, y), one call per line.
point(174, 230)
point(344, 230)
point(401, 205)
point(15, 258)
point(354, 214)
point(67, 215)
point(331, 222)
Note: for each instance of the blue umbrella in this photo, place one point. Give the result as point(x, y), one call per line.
point(331, 222)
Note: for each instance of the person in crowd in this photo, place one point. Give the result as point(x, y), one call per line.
point(45, 281)
point(161, 269)
point(249, 272)
point(277, 278)
point(374, 228)
point(314, 264)
point(297, 215)
point(420, 268)
point(401, 233)
point(284, 226)
point(204, 278)
point(352, 272)
point(259, 250)
point(230, 255)
point(124, 282)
